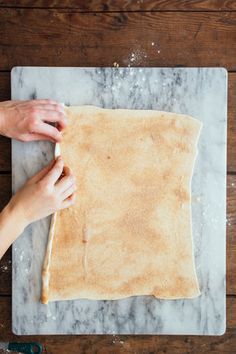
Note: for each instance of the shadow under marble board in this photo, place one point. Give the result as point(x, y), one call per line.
point(200, 92)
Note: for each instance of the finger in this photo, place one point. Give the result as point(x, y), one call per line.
point(54, 174)
point(43, 101)
point(53, 116)
point(64, 183)
point(69, 201)
point(48, 130)
point(50, 107)
point(39, 175)
point(35, 137)
point(69, 191)
point(30, 103)
point(65, 173)
point(10, 103)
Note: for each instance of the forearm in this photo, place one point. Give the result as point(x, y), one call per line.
point(1, 120)
point(11, 226)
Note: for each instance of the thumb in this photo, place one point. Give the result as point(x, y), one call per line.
point(39, 175)
point(54, 174)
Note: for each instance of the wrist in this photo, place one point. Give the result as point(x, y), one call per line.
point(10, 228)
point(2, 119)
point(15, 217)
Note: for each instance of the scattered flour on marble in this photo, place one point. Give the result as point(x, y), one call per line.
point(214, 221)
point(196, 199)
point(49, 314)
point(21, 256)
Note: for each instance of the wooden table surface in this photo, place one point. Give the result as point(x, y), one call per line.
point(98, 33)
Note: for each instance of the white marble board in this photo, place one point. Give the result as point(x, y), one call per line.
point(200, 92)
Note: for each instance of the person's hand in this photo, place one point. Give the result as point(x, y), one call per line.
point(29, 120)
point(51, 189)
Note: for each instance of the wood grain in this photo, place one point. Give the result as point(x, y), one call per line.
point(69, 38)
point(5, 275)
point(127, 344)
point(5, 190)
point(5, 263)
point(127, 5)
point(231, 236)
point(231, 131)
point(5, 155)
point(5, 146)
point(72, 37)
point(5, 86)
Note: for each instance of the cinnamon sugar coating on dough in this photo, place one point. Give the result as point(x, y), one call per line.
point(129, 232)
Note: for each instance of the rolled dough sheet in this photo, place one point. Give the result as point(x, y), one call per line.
point(129, 232)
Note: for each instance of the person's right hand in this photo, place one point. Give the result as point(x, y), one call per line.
point(51, 189)
point(29, 120)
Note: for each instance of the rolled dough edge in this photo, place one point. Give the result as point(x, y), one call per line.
point(47, 259)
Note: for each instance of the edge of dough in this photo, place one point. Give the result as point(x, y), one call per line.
point(46, 264)
point(45, 298)
point(191, 218)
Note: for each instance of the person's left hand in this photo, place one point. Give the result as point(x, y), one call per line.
point(51, 189)
point(29, 120)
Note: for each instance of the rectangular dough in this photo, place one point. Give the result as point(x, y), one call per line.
point(129, 232)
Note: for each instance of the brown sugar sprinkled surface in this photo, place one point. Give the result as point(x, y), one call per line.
point(129, 232)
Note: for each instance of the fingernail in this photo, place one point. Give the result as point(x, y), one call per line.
point(62, 110)
point(59, 137)
point(65, 120)
point(62, 107)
